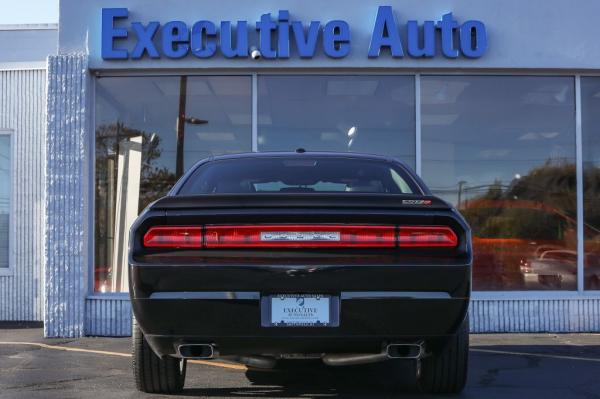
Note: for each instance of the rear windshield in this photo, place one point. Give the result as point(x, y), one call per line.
point(301, 175)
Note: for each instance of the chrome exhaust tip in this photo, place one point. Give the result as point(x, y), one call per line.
point(196, 351)
point(404, 351)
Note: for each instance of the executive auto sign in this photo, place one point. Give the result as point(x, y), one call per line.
point(276, 36)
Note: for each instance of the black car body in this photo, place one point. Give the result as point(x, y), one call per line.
point(392, 268)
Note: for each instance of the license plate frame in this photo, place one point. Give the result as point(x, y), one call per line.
point(267, 308)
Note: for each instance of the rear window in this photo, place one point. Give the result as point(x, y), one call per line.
point(301, 175)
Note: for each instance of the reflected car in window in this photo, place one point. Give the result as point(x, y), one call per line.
point(521, 244)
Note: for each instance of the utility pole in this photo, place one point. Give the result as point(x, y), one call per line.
point(180, 126)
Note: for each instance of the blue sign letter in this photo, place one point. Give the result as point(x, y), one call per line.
point(468, 48)
point(110, 33)
point(241, 45)
point(414, 47)
point(264, 27)
point(447, 26)
point(385, 34)
point(283, 34)
point(145, 34)
point(200, 47)
point(336, 39)
point(175, 38)
point(306, 45)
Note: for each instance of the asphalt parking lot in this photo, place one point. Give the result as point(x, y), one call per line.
point(501, 366)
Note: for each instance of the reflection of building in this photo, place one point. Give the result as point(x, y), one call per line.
point(509, 147)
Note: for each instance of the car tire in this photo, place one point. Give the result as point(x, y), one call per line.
point(445, 371)
point(153, 374)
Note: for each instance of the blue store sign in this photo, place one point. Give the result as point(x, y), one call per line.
point(205, 39)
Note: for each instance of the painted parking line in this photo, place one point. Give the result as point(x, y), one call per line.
point(561, 357)
point(231, 366)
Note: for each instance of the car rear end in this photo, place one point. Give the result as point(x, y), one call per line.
point(348, 277)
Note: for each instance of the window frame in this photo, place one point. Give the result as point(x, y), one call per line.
point(10, 270)
point(417, 74)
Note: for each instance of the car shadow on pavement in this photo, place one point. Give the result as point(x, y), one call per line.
point(313, 379)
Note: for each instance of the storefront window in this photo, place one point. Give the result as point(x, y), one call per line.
point(502, 149)
point(358, 113)
point(149, 130)
point(5, 194)
point(590, 123)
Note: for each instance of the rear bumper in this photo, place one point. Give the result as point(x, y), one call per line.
point(378, 305)
point(231, 322)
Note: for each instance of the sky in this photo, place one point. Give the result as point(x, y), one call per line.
point(28, 11)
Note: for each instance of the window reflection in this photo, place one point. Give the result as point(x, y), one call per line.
point(590, 122)
point(139, 123)
point(502, 149)
point(358, 113)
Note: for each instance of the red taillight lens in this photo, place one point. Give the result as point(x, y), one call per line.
point(298, 236)
point(295, 236)
point(174, 237)
point(426, 236)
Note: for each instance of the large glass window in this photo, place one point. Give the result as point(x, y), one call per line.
point(358, 113)
point(5, 194)
point(149, 130)
point(590, 123)
point(502, 149)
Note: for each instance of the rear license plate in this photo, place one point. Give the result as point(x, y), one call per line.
point(300, 310)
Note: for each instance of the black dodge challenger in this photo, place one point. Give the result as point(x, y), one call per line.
point(346, 258)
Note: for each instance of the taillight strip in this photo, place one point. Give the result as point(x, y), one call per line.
point(299, 236)
point(426, 236)
point(173, 237)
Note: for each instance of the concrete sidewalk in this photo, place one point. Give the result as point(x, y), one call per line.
point(502, 366)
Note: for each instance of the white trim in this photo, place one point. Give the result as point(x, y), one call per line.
point(23, 65)
point(10, 270)
point(254, 112)
point(418, 146)
point(47, 26)
point(579, 186)
point(132, 72)
point(124, 296)
point(533, 295)
point(91, 250)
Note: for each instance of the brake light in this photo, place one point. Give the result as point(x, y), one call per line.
point(426, 236)
point(174, 237)
point(295, 236)
point(298, 236)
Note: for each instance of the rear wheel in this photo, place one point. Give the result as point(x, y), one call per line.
point(446, 370)
point(153, 374)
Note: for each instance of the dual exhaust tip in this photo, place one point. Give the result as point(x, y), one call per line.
point(391, 351)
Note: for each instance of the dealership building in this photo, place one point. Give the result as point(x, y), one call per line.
point(496, 105)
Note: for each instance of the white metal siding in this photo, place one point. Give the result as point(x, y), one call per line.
point(108, 317)
point(22, 110)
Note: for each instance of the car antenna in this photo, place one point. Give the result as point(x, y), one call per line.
point(300, 150)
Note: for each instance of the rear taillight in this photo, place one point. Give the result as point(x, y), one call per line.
point(174, 237)
point(426, 236)
point(294, 236)
point(298, 236)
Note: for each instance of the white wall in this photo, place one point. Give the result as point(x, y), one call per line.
point(540, 34)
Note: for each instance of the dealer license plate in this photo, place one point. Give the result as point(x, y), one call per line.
point(301, 311)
